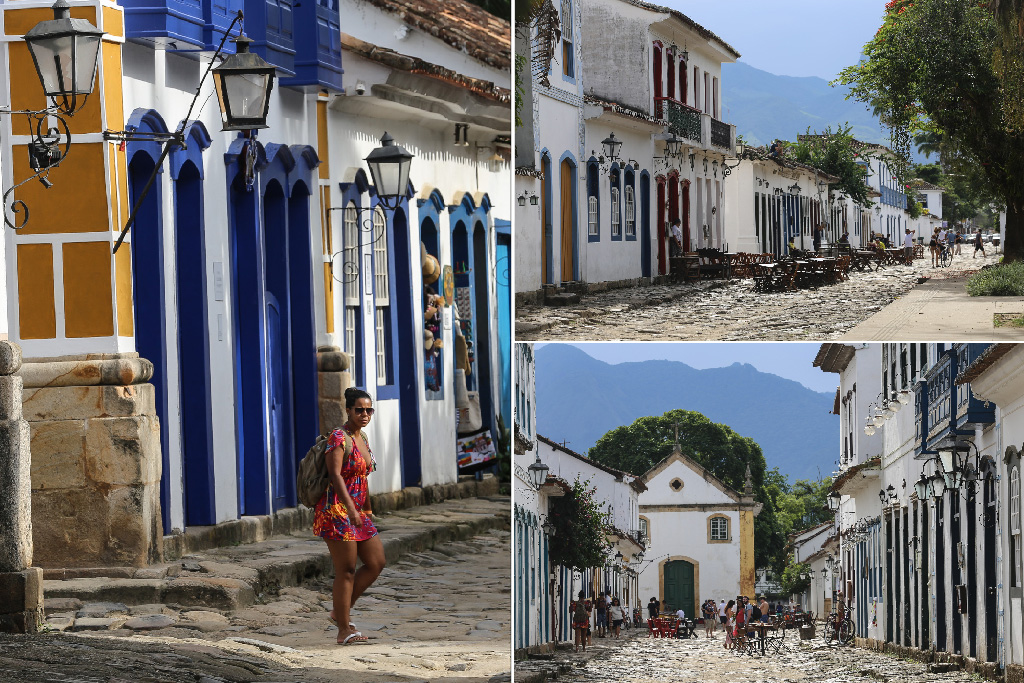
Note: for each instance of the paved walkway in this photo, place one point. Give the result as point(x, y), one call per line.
point(641, 659)
point(940, 310)
point(439, 611)
point(730, 310)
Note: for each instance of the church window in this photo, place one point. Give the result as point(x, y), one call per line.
point(718, 528)
point(676, 484)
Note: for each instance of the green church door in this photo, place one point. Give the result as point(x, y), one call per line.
point(679, 587)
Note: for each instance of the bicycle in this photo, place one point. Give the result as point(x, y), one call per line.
point(839, 627)
point(946, 257)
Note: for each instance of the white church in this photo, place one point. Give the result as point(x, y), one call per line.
point(701, 535)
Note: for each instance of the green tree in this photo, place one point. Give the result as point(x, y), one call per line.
point(640, 446)
point(580, 540)
point(499, 8)
point(943, 65)
point(835, 153)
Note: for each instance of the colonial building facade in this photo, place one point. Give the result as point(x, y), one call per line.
point(927, 526)
point(262, 275)
point(701, 535)
point(592, 148)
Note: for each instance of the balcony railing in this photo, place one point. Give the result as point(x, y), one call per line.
point(970, 411)
point(940, 383)
point(682, 120)
point(721, 134)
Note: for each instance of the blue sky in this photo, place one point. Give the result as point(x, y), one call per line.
point(790, 37)
point(791, 360)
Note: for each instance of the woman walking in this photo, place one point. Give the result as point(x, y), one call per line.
point(615, 614)
point(709, 613)
point(342, 516)
point(580, 622)
point(729, 624)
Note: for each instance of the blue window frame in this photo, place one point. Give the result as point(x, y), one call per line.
point(568, 44)
point(593, 202)
point(615, 185)
point(629, 204)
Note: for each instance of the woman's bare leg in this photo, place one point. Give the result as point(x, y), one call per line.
point(343, 557)
point(371, 552)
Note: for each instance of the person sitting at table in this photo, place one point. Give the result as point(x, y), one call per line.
point(792, 244)
point(844, 240)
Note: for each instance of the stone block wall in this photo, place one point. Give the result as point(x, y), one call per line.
point(334, 378)
point(21, 584)
point(96, 461)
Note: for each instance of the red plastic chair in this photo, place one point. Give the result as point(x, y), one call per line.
point(652, 631)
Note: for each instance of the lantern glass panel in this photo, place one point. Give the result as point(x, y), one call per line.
point(53, 58)
point(242, 95)
point(922, 488)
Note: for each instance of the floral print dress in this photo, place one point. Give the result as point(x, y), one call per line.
point(331, 520)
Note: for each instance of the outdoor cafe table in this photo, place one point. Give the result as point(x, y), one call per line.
point(861, 259)
point(762, 633)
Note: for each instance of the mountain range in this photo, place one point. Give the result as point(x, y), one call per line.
point(579, 399)
point(764, 106)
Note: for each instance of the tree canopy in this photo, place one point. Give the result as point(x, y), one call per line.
point(638, 447)
point(834, 152)
point(952, 67)
point(580, 540)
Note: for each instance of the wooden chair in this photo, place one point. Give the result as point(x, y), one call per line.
point(842, 268)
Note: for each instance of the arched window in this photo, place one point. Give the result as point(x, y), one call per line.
point(1015, 554)
point(616, 225)
point(381, 295)
point(629, 199)
point(630, 212)
point(718, 528)
point(593, 201)
point(614, 180)
point(350, 268)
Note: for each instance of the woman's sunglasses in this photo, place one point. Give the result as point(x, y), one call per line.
point(361, 411)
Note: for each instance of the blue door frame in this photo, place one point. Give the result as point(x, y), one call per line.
point(407, 344)
point(193, 330)
point(148, 279)
point(645, 225)
point(271, 263)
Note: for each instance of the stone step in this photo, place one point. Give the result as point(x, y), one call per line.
point(562, 299)
point(233, 578)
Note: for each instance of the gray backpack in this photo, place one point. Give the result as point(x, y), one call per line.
point(312, 479)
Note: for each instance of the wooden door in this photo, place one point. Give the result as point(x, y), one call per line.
point(679, 587)
point(568, 206)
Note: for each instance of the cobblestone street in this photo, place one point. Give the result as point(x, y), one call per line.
point(730, 310)
point(436, 615)
point(639, 658)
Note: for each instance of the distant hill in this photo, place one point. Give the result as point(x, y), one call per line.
point(764, 106)
point(579, 399)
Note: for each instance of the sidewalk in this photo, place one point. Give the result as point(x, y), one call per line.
point(234, 577)
point(941, 310)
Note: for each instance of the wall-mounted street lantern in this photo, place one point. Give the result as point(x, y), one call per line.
point(548, 527)
point(869, 428)
point(538, 473)
point(243, 83)
point(834, 499)
point(65, 52)
point(389, 165)
point(611, 147)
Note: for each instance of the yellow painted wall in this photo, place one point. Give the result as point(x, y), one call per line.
point(88, 301)
point(36, 310)
point(747, 569)
point(78, 201)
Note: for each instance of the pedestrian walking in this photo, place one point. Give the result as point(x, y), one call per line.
point(951, 241)
point(342, 517)
point(819, 229)
point(722, 616)
point(580, 622)
point(616, 615)
point(602, 617)
point(933, 246)
point(729, 624)
point(959, 241)
point(765, 610)
point(978, 245)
